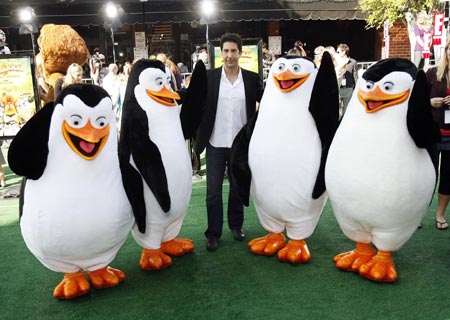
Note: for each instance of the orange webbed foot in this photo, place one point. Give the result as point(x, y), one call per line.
point(296, 251)
point(268, 245)
point(177, 247)
point(380, 268)
point(353, 260)
point(73, 285)
point(106, 277)
point(154, 260)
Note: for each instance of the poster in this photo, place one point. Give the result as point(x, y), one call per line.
point(249, 58)
point(17, 94)
point(140, 53)
point(275, 44)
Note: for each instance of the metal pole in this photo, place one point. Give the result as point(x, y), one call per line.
point(113, 50)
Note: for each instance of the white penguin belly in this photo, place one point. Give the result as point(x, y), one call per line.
point(74, 220)
point(164, 226)
point(379, 183)
point(284, 158)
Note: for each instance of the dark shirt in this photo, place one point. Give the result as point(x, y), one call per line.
point(438, 89)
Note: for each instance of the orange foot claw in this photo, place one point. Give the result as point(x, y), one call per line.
point(106, 277)
point(177, 247)
point(154, 260)
point(296, 251)
point(380, 268)
point(353, 260)
point(73, 285)
point(268, 245)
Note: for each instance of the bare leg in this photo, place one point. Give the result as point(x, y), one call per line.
point(443, 201)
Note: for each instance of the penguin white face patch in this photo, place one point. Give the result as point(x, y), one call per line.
point(391, 90)
point(86, 129)
point(156, 85)
point(289, 74)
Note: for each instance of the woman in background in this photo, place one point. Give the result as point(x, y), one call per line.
point(73, 75)
point(438, 81)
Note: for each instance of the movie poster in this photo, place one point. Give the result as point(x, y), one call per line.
point(17, 98)
point(249, 59)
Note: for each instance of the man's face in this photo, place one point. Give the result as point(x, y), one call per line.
point(2, 37)
point(230, 54)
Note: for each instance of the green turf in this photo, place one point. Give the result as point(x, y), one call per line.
point(232, 283)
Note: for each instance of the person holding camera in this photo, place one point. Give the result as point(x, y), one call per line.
point(298, 49)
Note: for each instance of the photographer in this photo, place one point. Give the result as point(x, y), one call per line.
point(299, 46)
point(96, 63)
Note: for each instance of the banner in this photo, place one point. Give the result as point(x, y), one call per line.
point(438, 29)
point(17, 94)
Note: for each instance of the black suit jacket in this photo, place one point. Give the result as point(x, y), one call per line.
point(253, 87)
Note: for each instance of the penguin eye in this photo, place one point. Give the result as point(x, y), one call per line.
point(369, 85)
point(296, 68)
point(281, 67)
point(169, 82)
point(76, 121)
point(388, 85)
point(100, 122)
point(159, 81)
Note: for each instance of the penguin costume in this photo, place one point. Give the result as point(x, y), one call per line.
point(155, 162)
point(75, 215)
point(279, 156)
point(381, 169)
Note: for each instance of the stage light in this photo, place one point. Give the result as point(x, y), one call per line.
point(111, 10)
point(26, 15)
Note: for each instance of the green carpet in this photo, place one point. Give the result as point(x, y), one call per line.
point(232, 283)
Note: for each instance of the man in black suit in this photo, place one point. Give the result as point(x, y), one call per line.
point(231, 102)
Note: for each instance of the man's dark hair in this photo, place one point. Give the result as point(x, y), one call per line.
point(231, 37)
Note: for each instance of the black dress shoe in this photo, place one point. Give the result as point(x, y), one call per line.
point(212, 244)
point(238, 234)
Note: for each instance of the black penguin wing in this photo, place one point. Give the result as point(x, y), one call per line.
point(324, 108)
point(147, 158)
point(240, 174)
point(421, 126)
point(194, 101)
point(133, 185)
point(27, 154)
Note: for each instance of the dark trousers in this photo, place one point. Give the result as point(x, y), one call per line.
point(217, 159)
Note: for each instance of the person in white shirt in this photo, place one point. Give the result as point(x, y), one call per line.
point(231, 101)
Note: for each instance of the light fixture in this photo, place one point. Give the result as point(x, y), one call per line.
point(208, 7)
point(26, 15)
point(113, 14)
point(111, 10)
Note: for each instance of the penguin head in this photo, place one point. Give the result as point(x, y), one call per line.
point(86, 116)
point(290, 72)
point(387, 83)
point(153, 82)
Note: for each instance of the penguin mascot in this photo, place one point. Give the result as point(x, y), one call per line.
point(381, 169)
point(75, 214)
point(279, 156)
point(155, 162)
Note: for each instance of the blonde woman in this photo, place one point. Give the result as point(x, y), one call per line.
point(438, 79)
point(73, 75)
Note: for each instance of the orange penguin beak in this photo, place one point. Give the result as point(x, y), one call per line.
point(165, 96)
point(88, 141)
point(376, 100)
point(287, 81)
